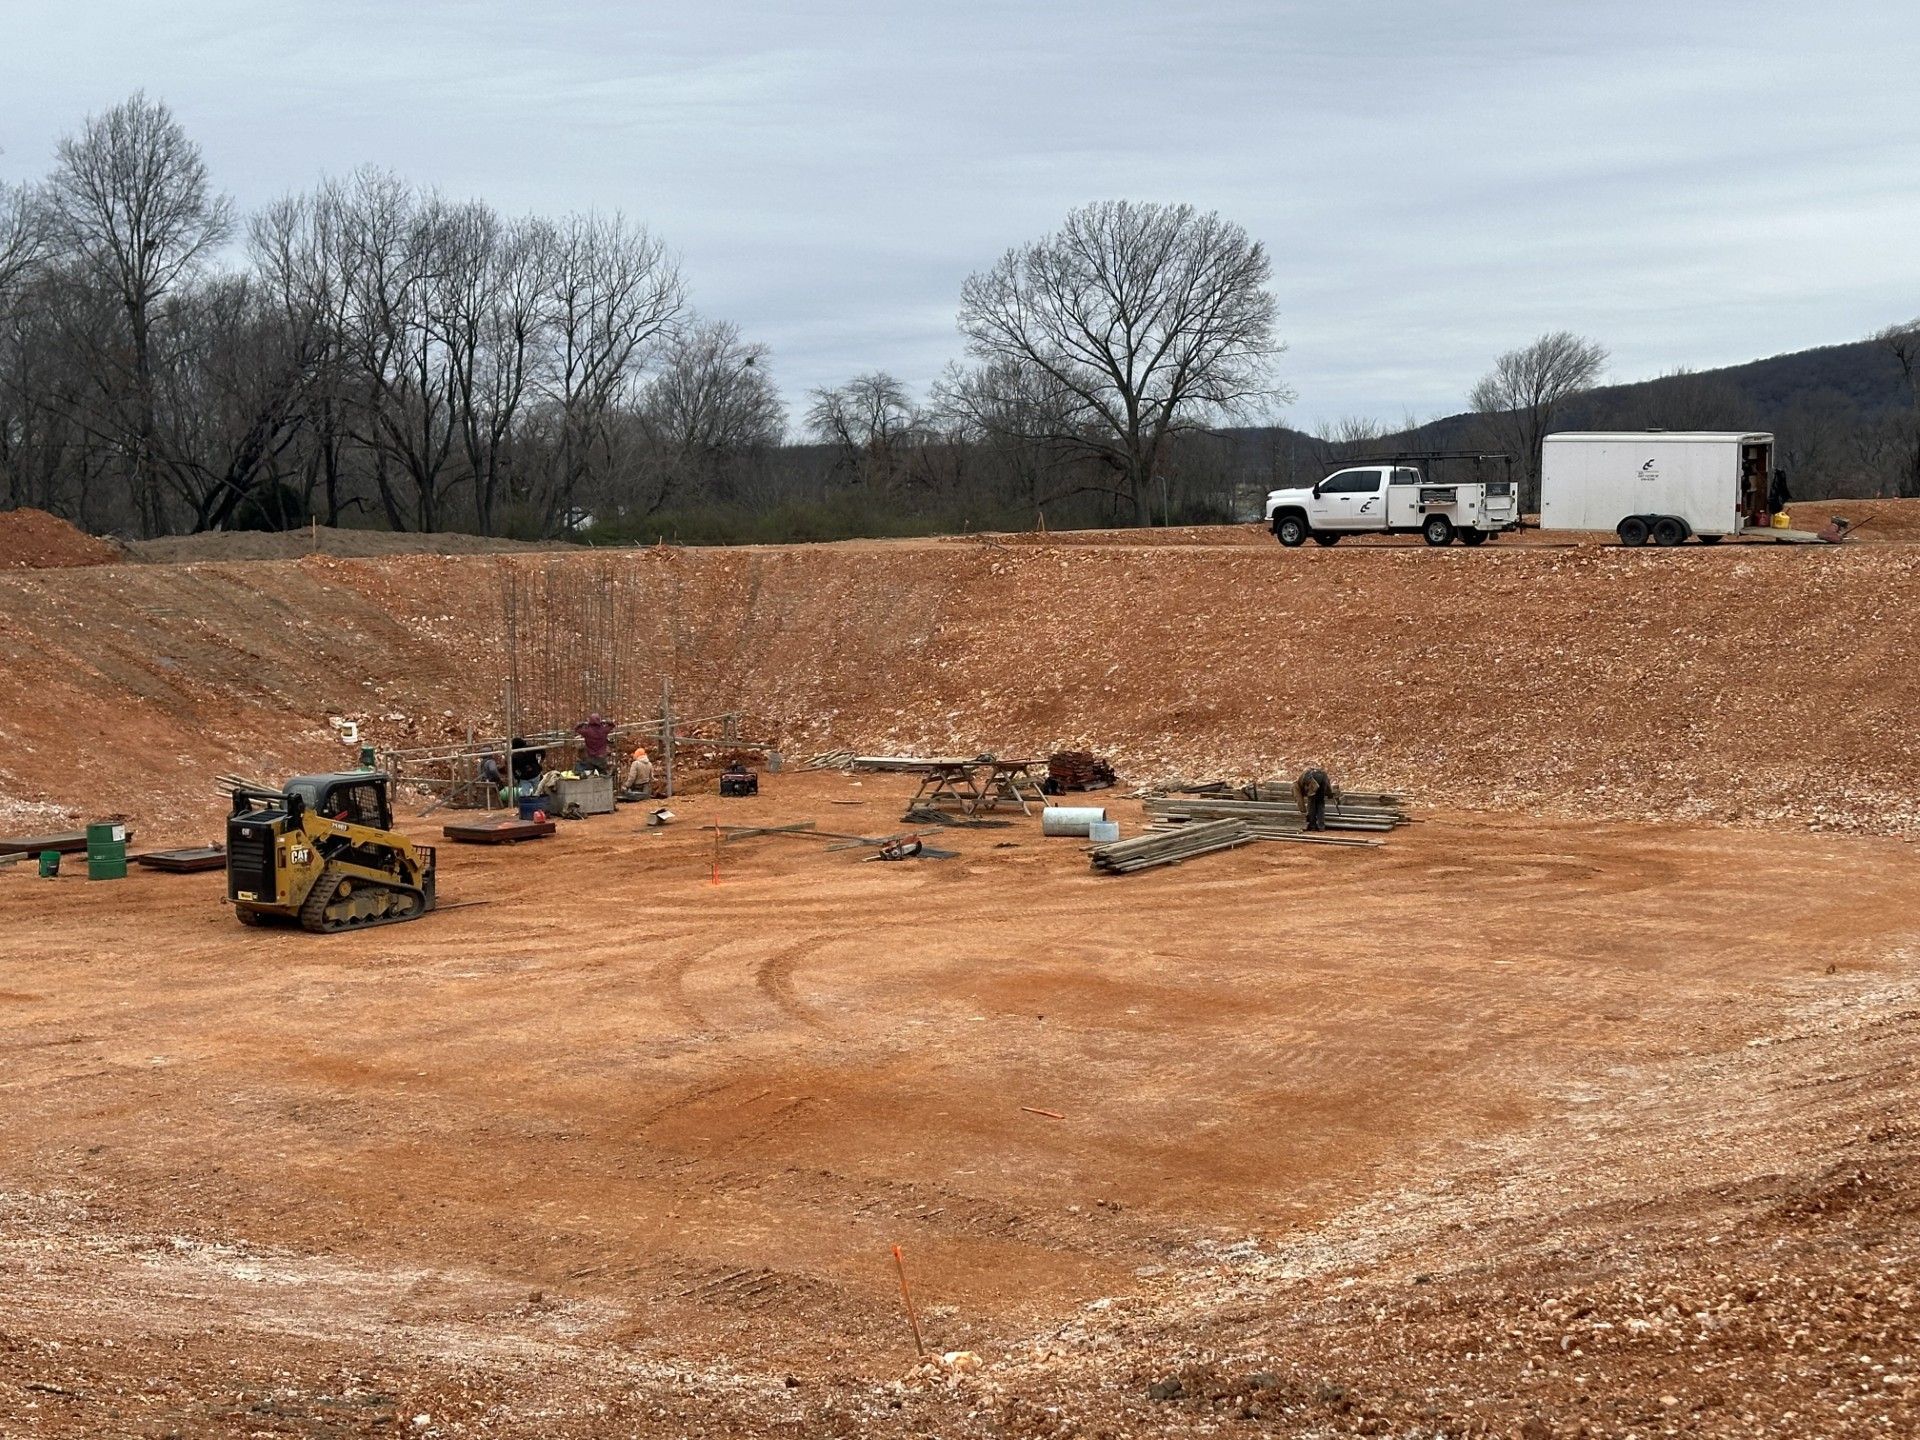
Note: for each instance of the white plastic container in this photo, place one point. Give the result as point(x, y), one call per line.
point(1103, 832)
point(1070, 819)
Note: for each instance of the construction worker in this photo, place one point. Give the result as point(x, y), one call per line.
point(528, 763)
point(640, 773)
point(1311, 792)
point(595, 754)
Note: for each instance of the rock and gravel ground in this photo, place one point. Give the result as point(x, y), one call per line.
point(1509, 1127)
point(1582, 1107)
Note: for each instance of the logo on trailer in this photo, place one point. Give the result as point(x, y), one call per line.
point(1650, 470)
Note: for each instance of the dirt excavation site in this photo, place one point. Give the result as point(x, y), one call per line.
point(1582, 1104)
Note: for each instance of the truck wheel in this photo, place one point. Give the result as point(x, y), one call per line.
point(1474, 537)
point(1668, 531)
point(1290, 530)
point(1325, 537)
point(1633, 531)
point(1437, 531)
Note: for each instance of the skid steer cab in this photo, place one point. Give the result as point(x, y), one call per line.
point(321, 852)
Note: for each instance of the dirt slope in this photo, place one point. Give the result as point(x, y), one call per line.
point(322, 540)
point(1753, 685)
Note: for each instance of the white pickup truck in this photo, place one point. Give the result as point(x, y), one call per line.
point(1440, 496)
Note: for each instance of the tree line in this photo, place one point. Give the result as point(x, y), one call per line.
point(369, 352)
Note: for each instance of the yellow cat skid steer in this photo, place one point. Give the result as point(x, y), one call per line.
point(322, 851)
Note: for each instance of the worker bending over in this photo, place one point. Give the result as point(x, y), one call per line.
point(1311, 792)
point(595, 753)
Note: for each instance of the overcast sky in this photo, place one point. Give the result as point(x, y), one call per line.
point(1689, 181)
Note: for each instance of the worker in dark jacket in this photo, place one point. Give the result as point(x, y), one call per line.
point(1781, 495)
point(527, 762)
point(1311, 792)
point(596, 754)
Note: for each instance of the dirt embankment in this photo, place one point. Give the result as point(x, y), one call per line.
point(34, 540)
point(1757, 685)
point(323, 540)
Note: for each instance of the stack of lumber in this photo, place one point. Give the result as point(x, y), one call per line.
point(1078, 770)
point(1274, 818)
point(829, 760)
point(914, 764)
point(1143, 852)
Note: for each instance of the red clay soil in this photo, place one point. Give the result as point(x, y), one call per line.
point(1754, 685)
point(1531, 1122)
point(1504, 1128)
point(34, 540)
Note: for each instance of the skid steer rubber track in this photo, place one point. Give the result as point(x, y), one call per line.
point(341, 902)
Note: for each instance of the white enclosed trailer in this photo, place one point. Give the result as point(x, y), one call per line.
point(1658, 485)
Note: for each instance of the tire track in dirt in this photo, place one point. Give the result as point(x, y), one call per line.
point(774, 979)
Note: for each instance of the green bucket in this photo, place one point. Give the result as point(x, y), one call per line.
point(49, 864)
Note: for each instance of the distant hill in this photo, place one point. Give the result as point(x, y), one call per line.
point(1841, 414)
point(1859, 380)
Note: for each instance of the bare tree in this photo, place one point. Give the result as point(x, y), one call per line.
point(712, 402)
point(1523, 390)
point(870, 421)
point(614, 293)
point(1903, 343)
point(130, 198)
point(23, 238)
point(298, 253)
point(1016, 412)
point(1148, 319)
point(1350, 436)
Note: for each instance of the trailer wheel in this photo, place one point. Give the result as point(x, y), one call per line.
point(1326, 537)
point(1290, 530)
point(1437, 531)
point(1669, 531)
point(1474, 537)
point(1633, 531)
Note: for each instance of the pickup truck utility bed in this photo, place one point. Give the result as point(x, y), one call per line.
point(1438, 495)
